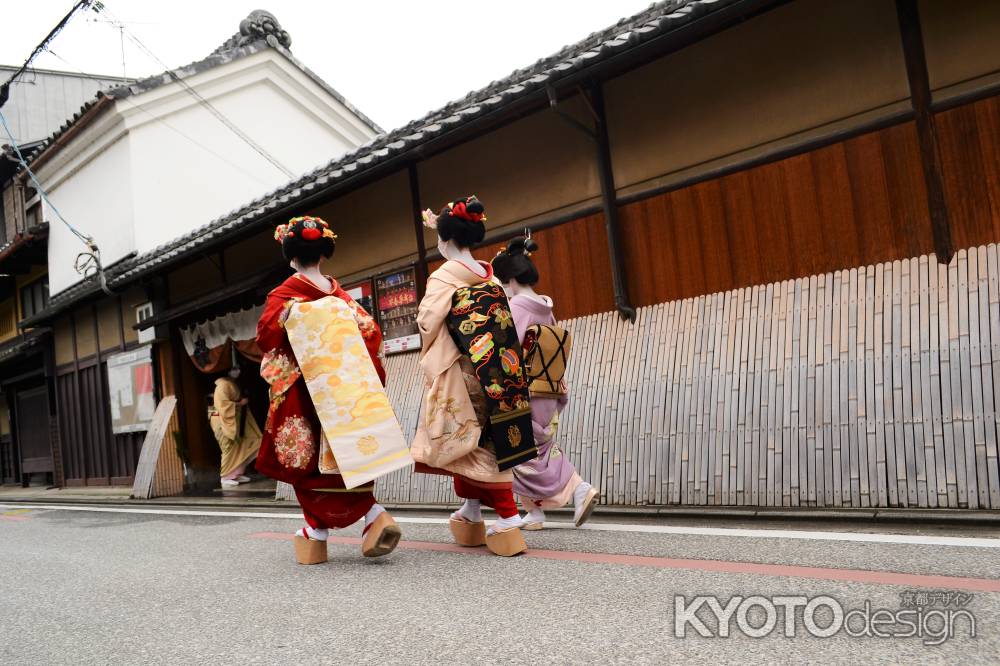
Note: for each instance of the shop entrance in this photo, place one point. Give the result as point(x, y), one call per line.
point(209, 351)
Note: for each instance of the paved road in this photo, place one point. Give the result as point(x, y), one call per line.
point(221, 587)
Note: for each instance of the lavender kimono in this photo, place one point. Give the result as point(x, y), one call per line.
point(549, 480)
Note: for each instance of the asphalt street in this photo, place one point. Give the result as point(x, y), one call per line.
point(222, 587)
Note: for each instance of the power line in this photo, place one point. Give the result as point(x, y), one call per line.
point(87, 263)
point(5, 88)
point(196, 95)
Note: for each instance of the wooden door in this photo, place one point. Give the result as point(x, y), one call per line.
point(32, 423)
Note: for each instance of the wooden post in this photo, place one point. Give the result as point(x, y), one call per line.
point(84, 455)
point(418, 229)
point(920, 96)
point(610, 205)
point(121, 324)
point(48, 362)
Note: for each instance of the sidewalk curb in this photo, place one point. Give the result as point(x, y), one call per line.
point(924, 516)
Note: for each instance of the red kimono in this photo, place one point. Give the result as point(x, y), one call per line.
point(289, 451)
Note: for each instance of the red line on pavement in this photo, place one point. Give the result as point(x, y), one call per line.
point(715, 566)
point(3, 517)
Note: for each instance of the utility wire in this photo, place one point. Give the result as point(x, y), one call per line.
point(195, 94)
point(87, 263)
point(5, 88)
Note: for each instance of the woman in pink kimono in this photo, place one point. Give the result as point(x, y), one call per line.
point(550, 480)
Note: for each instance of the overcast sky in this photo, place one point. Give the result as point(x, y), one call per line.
point(394, 59)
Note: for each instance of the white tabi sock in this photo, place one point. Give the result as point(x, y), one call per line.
point(373, 513)
point(470, 511)
point(312, 533)
point(506, 523)
point(580, 493)
point(536, 515)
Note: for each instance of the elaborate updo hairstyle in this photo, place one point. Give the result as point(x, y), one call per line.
point(306, 239)
point(514, 262)
point(463, 221)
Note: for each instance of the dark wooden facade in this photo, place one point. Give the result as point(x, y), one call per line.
point(856, 202)
point(970, 147)
point(92, 454)
point(853, 203)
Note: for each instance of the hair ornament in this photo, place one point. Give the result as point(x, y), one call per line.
point(429, 218)
point(460, 209)
point(310, 229)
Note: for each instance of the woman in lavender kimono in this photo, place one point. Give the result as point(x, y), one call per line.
point(550, 480)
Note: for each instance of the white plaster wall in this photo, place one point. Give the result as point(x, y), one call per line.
point(97, 200)
point(158, 164)
point(196, 169)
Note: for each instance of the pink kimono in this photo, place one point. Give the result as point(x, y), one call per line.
point(548, 481)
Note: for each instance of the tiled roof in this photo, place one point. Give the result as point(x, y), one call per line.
point(21, 343)
point(37, 232)
point(657, 20)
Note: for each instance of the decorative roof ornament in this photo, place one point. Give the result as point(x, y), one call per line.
point(261, 24)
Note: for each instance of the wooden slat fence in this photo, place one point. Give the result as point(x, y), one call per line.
point(870, 387)
point(159, 472)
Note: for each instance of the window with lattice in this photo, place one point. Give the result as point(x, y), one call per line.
point(34, 297)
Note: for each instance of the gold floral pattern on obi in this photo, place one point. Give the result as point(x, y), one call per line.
point(514, 435)
point(367, 445)
point(279, 371)
point(294, 443)
point(326, 337)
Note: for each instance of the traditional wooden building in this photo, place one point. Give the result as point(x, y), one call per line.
point(771, 227)
point(139, 164)
point(39, 103)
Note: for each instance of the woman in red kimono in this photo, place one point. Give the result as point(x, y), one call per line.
point(290, 448)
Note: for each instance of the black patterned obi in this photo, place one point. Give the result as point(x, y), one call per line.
point(483, 328)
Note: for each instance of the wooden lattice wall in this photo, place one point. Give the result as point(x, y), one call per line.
point(869, 387)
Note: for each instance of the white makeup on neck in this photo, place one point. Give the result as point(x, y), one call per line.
point(450, 250)
point(312, 273)
point(515, 288)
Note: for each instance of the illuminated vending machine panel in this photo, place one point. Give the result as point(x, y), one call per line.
point(396, 297)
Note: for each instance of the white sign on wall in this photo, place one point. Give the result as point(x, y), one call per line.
point(130, 387)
